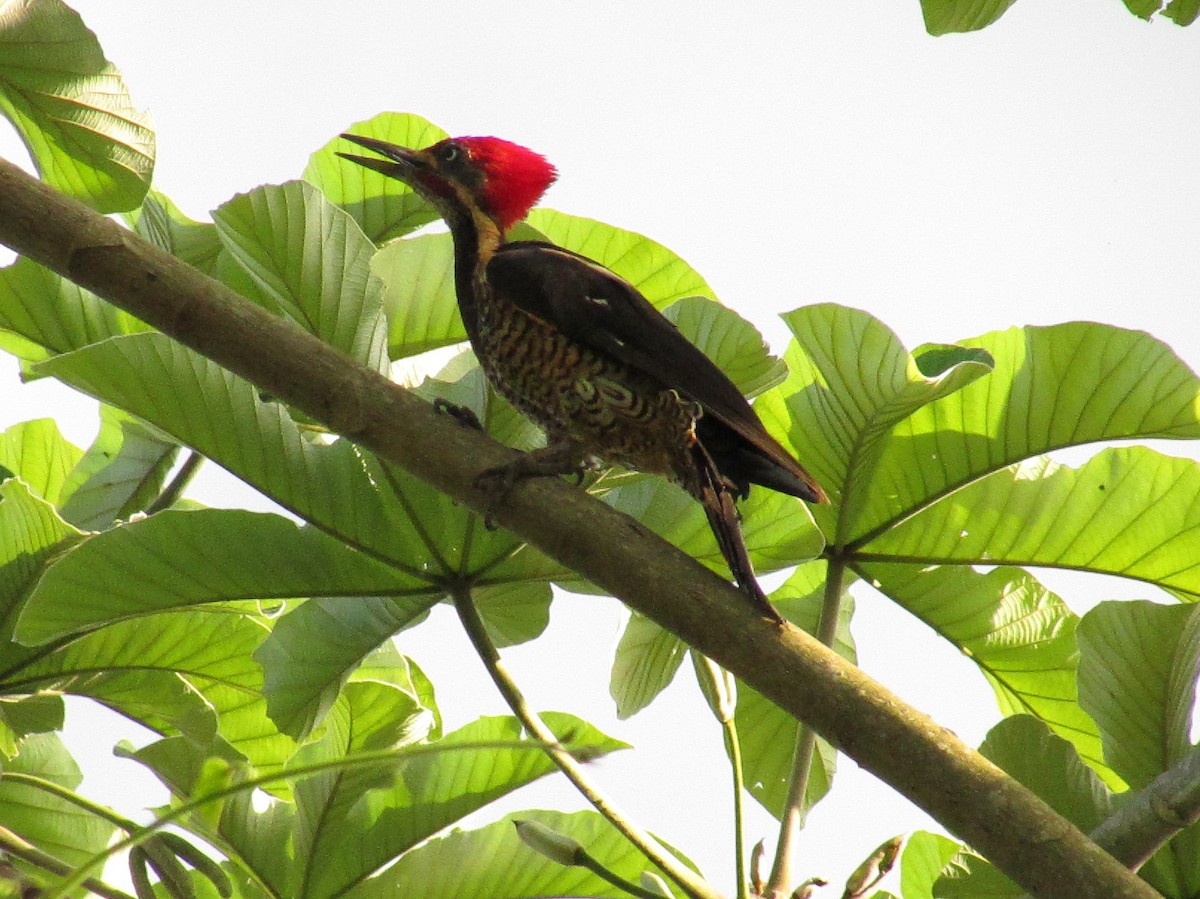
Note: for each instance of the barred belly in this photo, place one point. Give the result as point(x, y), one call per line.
point(619, 414)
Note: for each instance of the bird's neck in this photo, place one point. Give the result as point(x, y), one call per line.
point(477, 237)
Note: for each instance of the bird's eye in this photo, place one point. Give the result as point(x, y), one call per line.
point(451, 152)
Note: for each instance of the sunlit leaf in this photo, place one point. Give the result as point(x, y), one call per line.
point(37, 453)
point(921, 861)
point(1052, 387)
point(27, 713)
point(1025, 748)
point(493, 863)
point(182, 558)
point(514, 613)
point(31, 532)
point(71, 107)
point(61, 828)
point(660, 275)
point(162, 223)
point(315, 647)
point(851, 383)
point(384, 207)
point(433, 791)
point(733, 343)
point(309, 262)
point(1137, 678)
point(47, 314)
point(645, 663)
point(955, 16)
point(418, 294)
point(120, 474)
point(1128, 511)
point(1021, 635)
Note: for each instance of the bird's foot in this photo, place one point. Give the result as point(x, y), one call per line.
point(549, 461)
point(464, 415)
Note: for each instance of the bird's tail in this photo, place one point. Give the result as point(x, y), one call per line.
point(716, 494)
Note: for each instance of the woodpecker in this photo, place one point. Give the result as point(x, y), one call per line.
point(582, 353)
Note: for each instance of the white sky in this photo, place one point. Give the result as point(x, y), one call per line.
point(1040, 171)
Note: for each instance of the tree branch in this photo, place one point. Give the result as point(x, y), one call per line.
point(1147, 820)
point(970, 796)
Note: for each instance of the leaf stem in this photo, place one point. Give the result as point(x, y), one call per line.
point(13, 845)
point(174, 490)
point(68, 795)
point(792, 818)
point(720, 689)
point(690, 882)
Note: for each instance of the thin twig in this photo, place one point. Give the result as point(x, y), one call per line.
point(468, 614)
point(806, 743)
point(174, 490)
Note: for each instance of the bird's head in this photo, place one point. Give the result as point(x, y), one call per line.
point(499, 178)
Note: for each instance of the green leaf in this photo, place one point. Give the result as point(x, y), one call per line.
point(645, 663)
point(493, 863)
point(434, 790)
point(367, 716)
point(37, 453)
point(660, 275)
point(514, 613)
point(1026, 749)
point(353, 823)
point(347, 493)
point(418, 294)
point(384, 207)
point(1137, 671)
point(122, 472)
point(1144, 9)
point(31, 533)
point(730, 341)
point(162, 223)
point(22, 715)
point(222, 416)
point(439, 789)
point(921, 862)
point(172, 672)
point(1020, 634)
point(71, 107)
point(1137, 678)
point(1052, 387)
point(310, 262)
point(970, 876)
point(1128, 511)
point(47, 315)
point(957, 16)
point(767, 734)
point(315, 647)
point(851, 384)
point(53, 824)
point(777, 529)
point(259, 840)
point(1182, 12)
point(182, 558)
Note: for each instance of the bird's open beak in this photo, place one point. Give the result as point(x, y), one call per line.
point(401, 162)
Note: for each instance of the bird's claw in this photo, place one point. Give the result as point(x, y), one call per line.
point(464, 415)
point(497, 483)
point(550, 461)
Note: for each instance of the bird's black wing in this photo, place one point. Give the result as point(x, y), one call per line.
point(599, 309)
